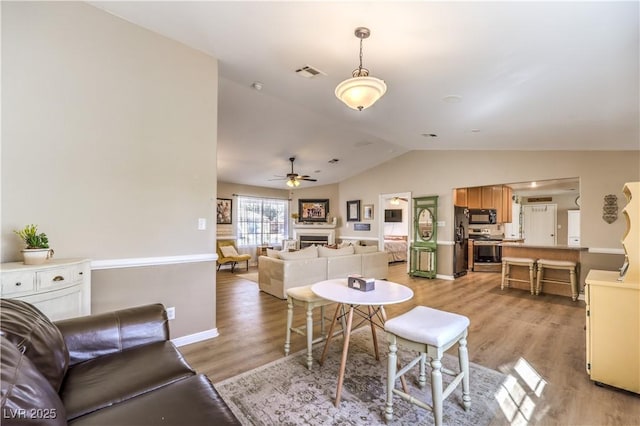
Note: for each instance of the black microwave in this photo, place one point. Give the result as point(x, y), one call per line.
point(482, 216)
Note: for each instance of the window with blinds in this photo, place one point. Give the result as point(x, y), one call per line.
point(262, 221)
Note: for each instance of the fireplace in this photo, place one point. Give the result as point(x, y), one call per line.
point(309, 240)
point(319, 234)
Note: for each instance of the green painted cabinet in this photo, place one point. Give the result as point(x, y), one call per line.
point(423, 259)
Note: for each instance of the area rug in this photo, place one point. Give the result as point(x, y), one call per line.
point(284, 392)
point(250, 276)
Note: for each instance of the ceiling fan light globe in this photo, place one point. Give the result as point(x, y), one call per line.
point(360, 92)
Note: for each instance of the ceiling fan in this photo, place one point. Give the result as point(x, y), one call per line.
point(293, 179)
point(396, 200)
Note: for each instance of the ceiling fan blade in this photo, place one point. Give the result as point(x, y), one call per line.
point(282, 178)
point(309, 179)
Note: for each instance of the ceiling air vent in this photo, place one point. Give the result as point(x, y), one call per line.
point(308, 71)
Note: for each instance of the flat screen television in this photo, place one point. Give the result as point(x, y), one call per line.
point(393, 215)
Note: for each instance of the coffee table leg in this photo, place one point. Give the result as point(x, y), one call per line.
point(373, 332)
point(326, 343)
point(345, 350)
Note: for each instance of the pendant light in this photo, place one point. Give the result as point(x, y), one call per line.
point(361, 91)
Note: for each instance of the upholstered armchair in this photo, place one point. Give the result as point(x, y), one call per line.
point(228, 253)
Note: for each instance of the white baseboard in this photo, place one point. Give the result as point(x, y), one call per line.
point(445, 277)
point(196, 337)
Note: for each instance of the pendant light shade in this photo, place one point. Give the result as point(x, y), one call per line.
point(361, 91)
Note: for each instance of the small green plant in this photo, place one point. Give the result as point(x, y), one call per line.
point(33, 240)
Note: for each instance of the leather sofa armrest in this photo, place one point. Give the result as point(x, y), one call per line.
point(102, 334)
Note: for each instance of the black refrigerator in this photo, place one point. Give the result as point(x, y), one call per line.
point(461, 240)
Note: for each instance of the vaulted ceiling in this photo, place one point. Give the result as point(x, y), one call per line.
point(477, 75)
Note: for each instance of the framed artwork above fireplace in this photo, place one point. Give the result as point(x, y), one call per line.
point(315, 210)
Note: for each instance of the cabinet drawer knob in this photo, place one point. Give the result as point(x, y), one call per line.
point(18, 284)
point(58, 278)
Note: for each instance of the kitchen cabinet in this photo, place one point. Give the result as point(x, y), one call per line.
point(460, 197)
point(496, 197)
point(60, 288)
point(573, 227)
point(474, 197)
point(423, 260)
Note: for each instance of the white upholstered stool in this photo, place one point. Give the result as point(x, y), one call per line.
point(303, 296)
point(508, 262)
point(430, 332)
point(566, 265)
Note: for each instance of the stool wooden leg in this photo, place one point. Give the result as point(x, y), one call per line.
point(391, 377)
point(531, 274)
point(574, 284)
point(422, 377)
point(309, 307)
point(538, 279)
point(436, 390)
point(287, 339)
point(463, 355)
point(504, 274)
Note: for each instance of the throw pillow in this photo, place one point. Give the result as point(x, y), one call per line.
point(365, 249)
point(306, 253)
point(347, 243)
point(273, 253)
point(327, 252)
point(228, 251)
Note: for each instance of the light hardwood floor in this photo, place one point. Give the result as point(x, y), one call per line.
point(508, 327)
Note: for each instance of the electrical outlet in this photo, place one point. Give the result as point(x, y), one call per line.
point(202, 224)
point(171, 313)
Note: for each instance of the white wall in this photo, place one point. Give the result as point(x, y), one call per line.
point(109, 135)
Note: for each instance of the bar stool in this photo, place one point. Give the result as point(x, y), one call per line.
point(508, 262)
point(430, 332)
point(565, 265)
point(303, 296)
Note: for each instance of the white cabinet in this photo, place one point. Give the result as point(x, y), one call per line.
point(613, 310)
point(59, 288)
point(573, 227)
point(613, 330)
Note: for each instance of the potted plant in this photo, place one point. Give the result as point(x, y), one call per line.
point(37, 249)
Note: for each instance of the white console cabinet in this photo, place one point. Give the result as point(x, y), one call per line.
point(59, 288)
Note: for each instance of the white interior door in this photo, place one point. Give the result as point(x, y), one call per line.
point(539, 224)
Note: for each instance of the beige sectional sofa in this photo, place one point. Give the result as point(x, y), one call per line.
point(280, 271)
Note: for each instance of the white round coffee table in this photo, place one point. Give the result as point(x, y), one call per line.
point(337, 290)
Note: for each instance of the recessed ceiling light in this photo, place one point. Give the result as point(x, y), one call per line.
point(333, 161)
point(452, 99)
point(256, 85)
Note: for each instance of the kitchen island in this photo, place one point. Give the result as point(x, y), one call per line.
point(557, 252)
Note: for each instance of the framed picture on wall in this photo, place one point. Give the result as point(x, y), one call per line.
point(313, 210)
point(224, 211)
point(353, 211)
point(367, 212)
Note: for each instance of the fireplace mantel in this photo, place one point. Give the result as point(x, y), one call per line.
point(320, 225)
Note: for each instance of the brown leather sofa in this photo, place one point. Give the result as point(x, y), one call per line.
point(117, 368)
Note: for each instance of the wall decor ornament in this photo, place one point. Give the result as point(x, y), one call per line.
point(610, 208)
point(224, 210)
